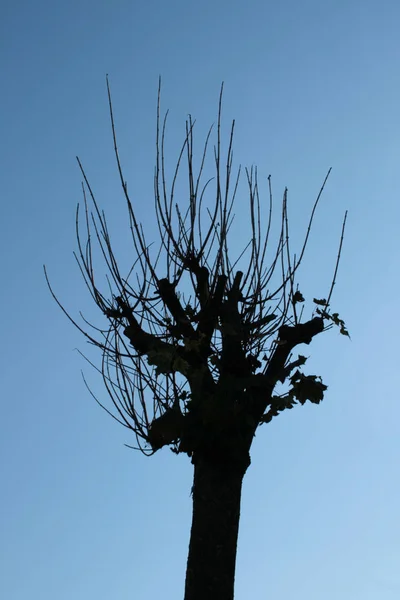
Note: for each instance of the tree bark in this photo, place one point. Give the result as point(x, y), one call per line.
point(216, 491)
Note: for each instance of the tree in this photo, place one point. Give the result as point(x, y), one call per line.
point(194, 351)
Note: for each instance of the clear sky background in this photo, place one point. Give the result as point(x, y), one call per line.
point(311, 84)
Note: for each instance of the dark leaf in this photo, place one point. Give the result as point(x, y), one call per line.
point(308, 387)
point(322, 302)
point(298, 297)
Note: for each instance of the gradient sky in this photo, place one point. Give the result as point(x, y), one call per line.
point(311, 85)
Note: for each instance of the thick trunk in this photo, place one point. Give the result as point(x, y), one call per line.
point(216, 492)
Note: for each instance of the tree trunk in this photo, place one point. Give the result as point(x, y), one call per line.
point(217, 489)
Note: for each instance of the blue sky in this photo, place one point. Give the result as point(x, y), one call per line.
point(311, 85)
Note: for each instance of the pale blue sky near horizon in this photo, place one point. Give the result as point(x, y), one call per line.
point(311, 85)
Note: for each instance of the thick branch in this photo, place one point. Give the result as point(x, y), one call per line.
point(168, 296)
point(233, 357)
point(289, 337)
point(302, 333)
point(148, 344)
point(167, 428)
point(209, 315)
point(201, 273)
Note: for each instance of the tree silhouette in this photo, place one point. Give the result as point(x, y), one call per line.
point(196, 345)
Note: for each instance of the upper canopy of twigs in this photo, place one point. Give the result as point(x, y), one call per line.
point(181, 302)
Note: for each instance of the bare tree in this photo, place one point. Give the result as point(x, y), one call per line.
point(197, 340)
